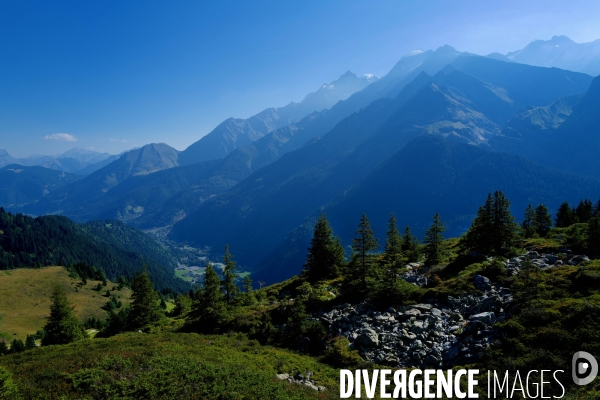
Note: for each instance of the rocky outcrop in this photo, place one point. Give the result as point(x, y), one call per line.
point(436, 334)
point(545, 260)
point(301, 379)
point(422, 335)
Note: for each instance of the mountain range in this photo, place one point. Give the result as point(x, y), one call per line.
point(77, 161)
point(560, 52)
point(436, 134)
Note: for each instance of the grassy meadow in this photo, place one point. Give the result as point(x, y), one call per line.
point(25, 299)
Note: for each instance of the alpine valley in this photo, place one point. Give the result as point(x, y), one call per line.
point(490, 162)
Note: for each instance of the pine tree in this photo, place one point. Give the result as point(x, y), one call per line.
point(228, 283)
point(593, 235)
point(362, 247)
point(145, 304)
point(62, 326)
point(493, 230)
point(543, 220)
point(584, 211)
point(30, 342)
point(528, 227)
point(208, 305)
point(410, 247)
point(565, 216)
point(597, 209)
point(249, 298)
point(434, 236)
point(325, 255)
point(3, 347)
point(183, 304)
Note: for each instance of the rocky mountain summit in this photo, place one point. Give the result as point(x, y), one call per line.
point(438, 333)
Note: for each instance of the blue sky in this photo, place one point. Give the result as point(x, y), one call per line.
point(112, 75)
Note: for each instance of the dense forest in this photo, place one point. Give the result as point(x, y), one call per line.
point(116, 249)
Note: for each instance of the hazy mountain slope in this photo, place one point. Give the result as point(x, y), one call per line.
point(528, 133)
point(431, 174)
point(531, 86)
point(21, 185)
point(77, 160)
point(143, 161)
point(564, 135)
point(304, 180)
point(237, 132)
point(561, 52)
point(173, 198)
point(577, 139)
point(314, 175)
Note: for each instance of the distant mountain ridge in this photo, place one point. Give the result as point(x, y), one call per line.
point(237, 132)
point(561, 52)
point(77, 161)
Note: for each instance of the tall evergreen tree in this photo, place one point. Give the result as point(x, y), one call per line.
point(543, 220)
point(325, 255)
point(493, 230)
point(392, 255)
point(362, 246)
point(228, 284)
point(30, 342)
point(597, 208)
point(584, 211)
point(208, 305)
point(3, 348)
point(249, 297)
point(528, 227)
point(434, 236)
point(145, 304)
point(61, 326)
point(593, 235)
point(565, 216)
point(410, 246)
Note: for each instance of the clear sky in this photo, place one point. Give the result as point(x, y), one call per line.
point(112, 75)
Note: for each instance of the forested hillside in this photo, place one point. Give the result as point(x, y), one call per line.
point(118, 250)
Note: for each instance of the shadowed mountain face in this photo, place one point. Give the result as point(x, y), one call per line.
point(564, 135)
point(457, 104)
point(22, 185)
point(430, 174)
point(561, 52)
point(237, 132)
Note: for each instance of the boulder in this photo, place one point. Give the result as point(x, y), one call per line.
point(487, 318)
point(367, 338)
point(482, 283)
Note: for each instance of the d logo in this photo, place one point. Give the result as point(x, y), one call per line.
point(584, 367)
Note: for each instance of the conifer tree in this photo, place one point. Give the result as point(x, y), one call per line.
point(208, 305)
point(493, 230)
point(3, 348)
point(543, 220)
point(597, 209)
point(565, 216)
point(584, 211)
point(393, 259)
point(183, 304)
point(17, 346)
point(228, 283)
point(249, 298)
point(593, 235)
point(145, 304)
point(363, 246)
point(325, 255)
point(30, 342)
point(62, 326)
point(434, 236)
point(528, 227)
point(410, 246)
